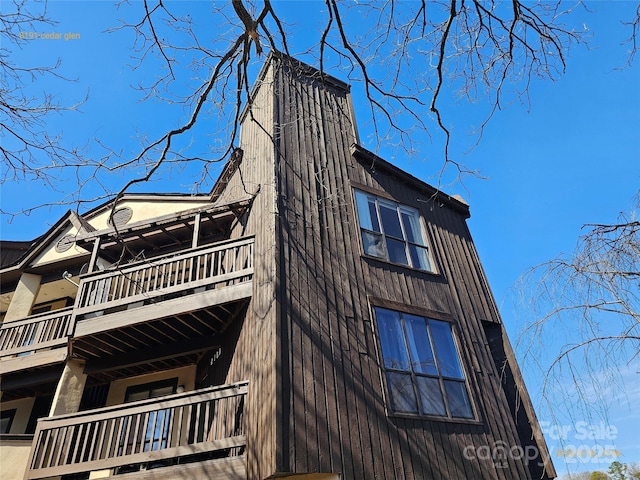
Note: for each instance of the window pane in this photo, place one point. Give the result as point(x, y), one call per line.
point(363, 211)
point(459, 404)
point(411, 223)
point(4, 425)
point(431, 402)
point(403, 397)
point(134, 397)
point(6, 418)
point(446, 353)
point(373, 244)
point(159, 392)
point(374, 215)
point(394, 351)
point(390, 220)
point(419, 346)
point(420, 257)
point(397, 251)
point(367, 211)
point(151, 390)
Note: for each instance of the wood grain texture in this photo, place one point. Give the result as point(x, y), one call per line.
point(308, 347)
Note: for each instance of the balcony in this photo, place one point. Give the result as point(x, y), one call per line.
point(223, 264)
point(32, 342)
point(201, 431)
point(184, 300)
point(167, 309)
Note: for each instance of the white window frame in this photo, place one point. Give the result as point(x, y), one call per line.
point(415, 252)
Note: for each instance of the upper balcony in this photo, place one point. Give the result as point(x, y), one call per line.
point(200, 434)
point(179, 302)
point(184, 298)
point(225, 264)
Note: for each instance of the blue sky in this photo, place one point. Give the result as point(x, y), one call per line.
point(568, 158)
point(572, 158)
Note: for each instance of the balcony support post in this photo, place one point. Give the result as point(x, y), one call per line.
point(94, 254)
point(196, 230)
point(24, 297)
point(70, 388)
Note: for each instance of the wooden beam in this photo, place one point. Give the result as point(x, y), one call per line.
point(217, 212)
point(94, 255)
point(196, 230)
point(33, 360)
point(176, 241)
point(139, 357)
point(231, 468)
point(168, 308)
point(31, 379)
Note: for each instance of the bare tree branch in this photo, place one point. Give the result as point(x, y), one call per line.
point(411, 59)
point(632, 40)
point(28, 150)
point(592, 297)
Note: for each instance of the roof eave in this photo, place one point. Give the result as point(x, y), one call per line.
point(361, 153)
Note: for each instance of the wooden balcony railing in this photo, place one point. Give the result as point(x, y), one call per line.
point(156, 431)
point(224, 263)
point(38, 332)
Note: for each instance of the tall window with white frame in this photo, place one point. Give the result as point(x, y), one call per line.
point(392, 231)
point(422, 366)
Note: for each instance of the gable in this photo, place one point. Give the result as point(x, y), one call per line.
point(143, 208)
point(58, 244)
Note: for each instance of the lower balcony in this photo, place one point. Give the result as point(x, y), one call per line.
point(199, 434)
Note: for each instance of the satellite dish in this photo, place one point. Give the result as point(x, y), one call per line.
point(103, 265)
point(100, 265)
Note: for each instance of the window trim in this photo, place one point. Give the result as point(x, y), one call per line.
point(401, 308)
point(141, 387)
point(145, 436)
point(10, 414)
point(385, 197)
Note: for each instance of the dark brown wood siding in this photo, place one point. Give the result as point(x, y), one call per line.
point(255, 354)
point(334, 396)
point(308, 344)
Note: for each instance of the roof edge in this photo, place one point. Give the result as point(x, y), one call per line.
point(455, 202)
point(310, 71)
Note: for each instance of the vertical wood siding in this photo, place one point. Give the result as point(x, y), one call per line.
point(334, 400)
point(316, 400)
point(255, 353)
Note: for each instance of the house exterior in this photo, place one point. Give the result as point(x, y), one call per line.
point(321, 314)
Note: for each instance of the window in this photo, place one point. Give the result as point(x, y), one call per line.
point(152, 427)
point(6, 419)
point(392, 231)
point(51, 306)
point(422, 366)
point(151, 390)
